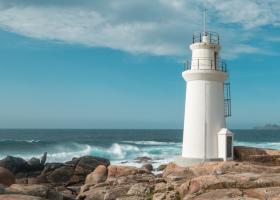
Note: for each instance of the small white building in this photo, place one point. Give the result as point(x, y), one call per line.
point(205, 137)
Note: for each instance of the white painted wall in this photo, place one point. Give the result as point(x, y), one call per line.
point(203, 103)
point(203, 56)
point(222, 144)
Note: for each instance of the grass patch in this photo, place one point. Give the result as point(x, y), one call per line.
point(150, 196)
point(171, 188)
point(179, 196)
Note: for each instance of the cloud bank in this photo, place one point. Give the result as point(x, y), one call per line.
point(159, 27)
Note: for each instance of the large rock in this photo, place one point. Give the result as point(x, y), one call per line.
point(218, 194)
point(118, 171)
point(87, 164)
point(13, 164)
point(61, 175)
point(140, 189)
point(259, 155)
point(161, 187)
point(33, 164)
point(161, 168)
point(159, 196)
point(147, 167)
point(7, 190)
point(97, 176)
point(173, 173)
point(71, 172)
point(94, 194)
point(116, 192)
point(227, 181)
point(127, 175)
point(6, 177)
point(38, 191)
point(132, 198)
point(49, 168)
point(263, 193)
point(19, 197)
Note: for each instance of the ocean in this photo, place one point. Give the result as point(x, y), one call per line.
point(119, 146)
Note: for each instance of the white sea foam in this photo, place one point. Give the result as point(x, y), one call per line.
point(149, 142)
point(116, 153)
point(20, 140)
point(268, 145)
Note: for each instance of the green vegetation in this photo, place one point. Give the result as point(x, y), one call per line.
point(150, 196)
point(171, 188)
point(179, 196)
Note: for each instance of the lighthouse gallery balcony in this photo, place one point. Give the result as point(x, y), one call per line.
point(205, 63)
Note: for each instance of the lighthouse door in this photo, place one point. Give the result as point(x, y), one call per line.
point(229, 146)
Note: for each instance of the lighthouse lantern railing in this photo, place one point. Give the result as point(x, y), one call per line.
point(205, 63)
point(214, 38)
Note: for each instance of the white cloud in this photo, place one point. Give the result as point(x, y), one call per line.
point(160, 27)
point(240, 49)
point(248, 13)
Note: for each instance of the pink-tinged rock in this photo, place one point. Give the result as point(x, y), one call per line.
point(259, 155)
point(213, 168)
point(6, 177)
point(243, 181)
point(97, 176)
point(161, 187)
point(116, 192)
point(140, 189)
point(19, 197)
point(173, 173)
point(263, 193)
point(169, 169)
point(218, 194)
point(118, 171)
point(84, 188)
point(132, 198)
point(159, 196)
point(94, 194)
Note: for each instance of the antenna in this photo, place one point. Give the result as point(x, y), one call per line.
point(205, 34)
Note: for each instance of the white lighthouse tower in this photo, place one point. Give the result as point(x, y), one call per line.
point(205, 137)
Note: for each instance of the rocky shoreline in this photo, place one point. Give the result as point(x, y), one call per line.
point(254, 174)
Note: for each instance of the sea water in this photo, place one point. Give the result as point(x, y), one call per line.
point(121, 147)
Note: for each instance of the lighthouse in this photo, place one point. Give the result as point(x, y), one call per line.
point(208, 103)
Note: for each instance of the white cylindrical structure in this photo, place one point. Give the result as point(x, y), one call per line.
point(204, 109)
point(204, 106)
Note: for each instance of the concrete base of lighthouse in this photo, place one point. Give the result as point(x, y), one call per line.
point(185, 162)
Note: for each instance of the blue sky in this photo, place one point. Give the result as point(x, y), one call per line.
point(118, 64)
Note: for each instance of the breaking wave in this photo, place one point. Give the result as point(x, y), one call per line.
point(116, 153)
point(268, 145)
point(19, 141)
point(149, 142)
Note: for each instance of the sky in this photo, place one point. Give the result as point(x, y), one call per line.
point(118, 64)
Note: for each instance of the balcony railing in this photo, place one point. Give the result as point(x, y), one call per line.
point(214, 38)
point(206, 64)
